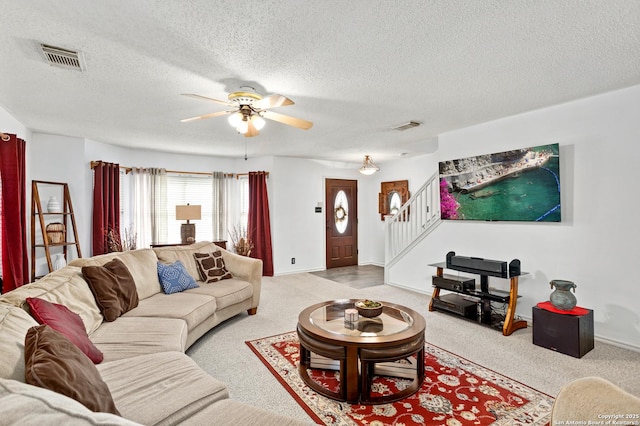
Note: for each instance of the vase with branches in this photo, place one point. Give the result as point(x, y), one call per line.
point(240, 241)
point(117, 243)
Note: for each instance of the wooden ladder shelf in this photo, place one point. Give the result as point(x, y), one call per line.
point(63, 217)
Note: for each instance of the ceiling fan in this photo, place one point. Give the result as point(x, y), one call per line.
point(249, 109)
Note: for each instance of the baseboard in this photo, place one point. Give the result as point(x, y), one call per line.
point(302, 271)
point(415, 290)
point(299, 271)
point(617, 343)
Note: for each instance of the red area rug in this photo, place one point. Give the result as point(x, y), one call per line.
point(455, 392)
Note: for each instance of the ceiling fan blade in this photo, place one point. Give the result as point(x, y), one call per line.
point(213, 114)
point(285, 119)
point(191, 95)
point(272, 101)
point(251, 130)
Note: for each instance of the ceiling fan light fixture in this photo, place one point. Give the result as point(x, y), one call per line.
point(235, 119)
point(258, 122)
point(243, 126)
point(368, 168)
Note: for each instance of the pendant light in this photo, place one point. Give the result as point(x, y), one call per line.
point(368, 168)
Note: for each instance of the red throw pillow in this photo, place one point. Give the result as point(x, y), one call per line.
point(66, 322)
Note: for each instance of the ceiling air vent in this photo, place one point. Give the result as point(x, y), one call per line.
point(64, 58)
point(407, 125)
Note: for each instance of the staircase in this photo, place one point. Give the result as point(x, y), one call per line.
point(415, 220)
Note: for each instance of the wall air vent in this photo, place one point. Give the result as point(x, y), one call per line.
point(406, 126)
point(64, 58)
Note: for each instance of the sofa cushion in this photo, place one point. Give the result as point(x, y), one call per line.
point(227, 292)
point(192, 308)
point(211, 267)
point(53, 362)
point(113, 287)
point(140, 263)
point(65, 286)
point(174, 278)
point(23, 404)
point(61, 319)
point(14, 324)
point(185, 255)
point(230, 412)
point(127, 337)
point(161, 388)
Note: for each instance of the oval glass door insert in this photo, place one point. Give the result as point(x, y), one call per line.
point(341, 211)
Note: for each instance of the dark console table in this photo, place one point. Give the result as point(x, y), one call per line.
point(467, 299)
point(220, 243)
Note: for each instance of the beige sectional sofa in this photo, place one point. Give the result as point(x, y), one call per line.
point(151, 380)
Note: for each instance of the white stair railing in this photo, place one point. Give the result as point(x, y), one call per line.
point(415, 220)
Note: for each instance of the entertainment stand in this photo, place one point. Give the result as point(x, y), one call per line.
point(474, 304)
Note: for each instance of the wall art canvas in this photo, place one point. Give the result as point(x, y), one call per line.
point(517, 185)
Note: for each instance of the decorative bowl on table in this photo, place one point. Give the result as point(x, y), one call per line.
point(368, 308)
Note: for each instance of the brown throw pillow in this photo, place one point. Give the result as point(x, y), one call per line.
point(211, 267)
point(53, 362)
point(113, 288)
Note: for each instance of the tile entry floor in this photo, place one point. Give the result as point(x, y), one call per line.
point(360, 276)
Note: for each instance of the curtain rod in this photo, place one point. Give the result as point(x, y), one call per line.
point(4, 137)
point(128, 169)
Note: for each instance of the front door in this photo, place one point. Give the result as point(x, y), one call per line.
point(341, 219)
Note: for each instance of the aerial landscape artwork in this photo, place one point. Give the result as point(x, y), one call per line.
point(517, 185)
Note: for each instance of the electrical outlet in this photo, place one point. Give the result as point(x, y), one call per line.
point(293, 260)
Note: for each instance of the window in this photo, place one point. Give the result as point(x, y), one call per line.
point(341, 211)
point(194, 190)
point(244, 201)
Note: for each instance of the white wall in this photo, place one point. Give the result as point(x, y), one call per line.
point(595, 245)
point(297, 186)
point(8, 124)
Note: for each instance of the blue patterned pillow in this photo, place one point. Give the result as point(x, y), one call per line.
point(174, 278)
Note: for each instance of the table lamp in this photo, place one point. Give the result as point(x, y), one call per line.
point(188, 230)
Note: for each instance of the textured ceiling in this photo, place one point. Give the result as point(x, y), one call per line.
point(354, 68)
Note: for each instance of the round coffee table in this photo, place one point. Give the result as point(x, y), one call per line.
point(397, 333)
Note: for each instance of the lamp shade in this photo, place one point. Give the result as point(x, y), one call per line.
point(258, 122)
point(188, 212)
point(243, 126)
point(235, 119)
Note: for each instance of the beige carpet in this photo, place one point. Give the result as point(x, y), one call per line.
point(223, 353)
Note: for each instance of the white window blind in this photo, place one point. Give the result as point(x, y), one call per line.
point(189, 189)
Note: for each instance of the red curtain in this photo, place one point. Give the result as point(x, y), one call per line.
point(258, 227)
point(106, 206)
point(15, 263)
